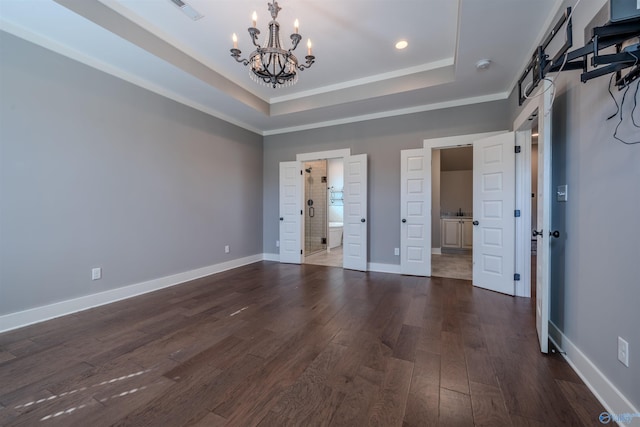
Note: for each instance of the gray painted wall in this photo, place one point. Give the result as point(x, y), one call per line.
point(382, 141)
point(456, 191)
point(595, 288)
point(96, 172)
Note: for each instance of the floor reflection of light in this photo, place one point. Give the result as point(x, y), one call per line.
point(115, 396)
point(57, 414)
point(239, 311)
point(68, 393)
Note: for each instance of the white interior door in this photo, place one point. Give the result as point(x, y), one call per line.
point(493, 211)
point(415, 249)
point(290, 212)
point(543, 244)
point(355, 213)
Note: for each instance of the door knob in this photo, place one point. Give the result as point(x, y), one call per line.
point(281, 219)
point(554, 233)
point(476, 223)
point(363, 220)
point(535, 233)
point(404, 220)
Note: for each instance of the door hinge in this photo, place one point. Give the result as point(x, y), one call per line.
point(516, 213)
point(300, 171)
point(301, 212)
point(300, 251)
point(518, 149)
point(516, 277)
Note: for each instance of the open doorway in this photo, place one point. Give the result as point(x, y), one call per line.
point(494, 191)
point(324, 214)
point(452, 199)
point(354, 198)
point(534, 206)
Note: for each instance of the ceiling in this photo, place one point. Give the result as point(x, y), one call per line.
point(358, 74)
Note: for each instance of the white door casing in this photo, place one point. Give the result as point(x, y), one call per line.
point(415, 249)
point(355, 213)
point(493, 210)
point(290, 212)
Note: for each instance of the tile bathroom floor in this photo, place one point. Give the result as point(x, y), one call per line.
point(329, 259)
point(454, 266)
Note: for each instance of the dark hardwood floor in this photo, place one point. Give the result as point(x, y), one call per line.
point(275, 345)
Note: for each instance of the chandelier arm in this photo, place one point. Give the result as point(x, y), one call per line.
point(253, 33)
point(310, 61)
point(235, 53)
point(295, 39)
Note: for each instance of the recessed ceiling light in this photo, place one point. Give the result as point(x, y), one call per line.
point(402, 44)
point(483, 64)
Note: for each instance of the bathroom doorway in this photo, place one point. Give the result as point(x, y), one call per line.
point(452, 204)
point(323, 219)
point(315, 205)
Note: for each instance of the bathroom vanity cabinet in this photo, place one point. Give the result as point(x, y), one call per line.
point(457, 233)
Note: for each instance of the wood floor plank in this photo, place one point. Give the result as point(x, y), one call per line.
point(423, 402)
point(276, 344)
point(480, 367)
point(306, 403)
point(489, 408)
point(355, 406)
point(455, 409)
point(454, 374)
point(210, 420)
point(252, 401)
point(389, 406)
point(407, 343)
point(584, 404)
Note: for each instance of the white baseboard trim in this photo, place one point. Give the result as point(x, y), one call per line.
point(611, 398)
point(372, 266)
point(436, 251)
point(384, 268)
point(39, 314)
point(271, 257)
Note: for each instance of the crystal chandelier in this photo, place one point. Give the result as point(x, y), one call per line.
point(271, 64)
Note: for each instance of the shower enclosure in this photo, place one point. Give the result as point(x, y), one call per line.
point(315, 197)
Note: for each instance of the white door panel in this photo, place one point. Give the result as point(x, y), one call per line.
point(290, 216)
point(355, 213)
point(493, 209)
point(543, 249)
point(415, 240)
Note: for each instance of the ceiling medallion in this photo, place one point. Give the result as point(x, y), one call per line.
point(271, 64)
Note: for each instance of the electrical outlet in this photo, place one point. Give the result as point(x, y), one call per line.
point(396, 251)
point(226, 249)
point(96, 273)
point(277, 243)
point(623, 351)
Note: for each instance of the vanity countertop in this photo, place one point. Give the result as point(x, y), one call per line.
point(455, 217)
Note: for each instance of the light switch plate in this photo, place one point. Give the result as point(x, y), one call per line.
point(562, 194)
